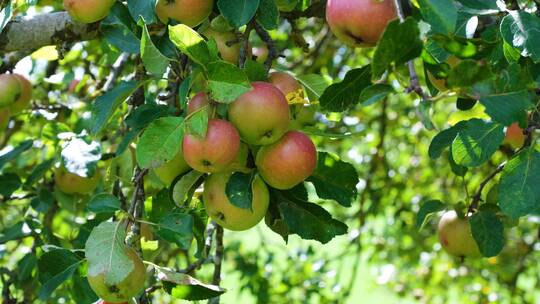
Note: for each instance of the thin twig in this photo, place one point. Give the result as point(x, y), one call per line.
point(272, 51)
point(210, 229)
point(116, 69)
point(218, 258)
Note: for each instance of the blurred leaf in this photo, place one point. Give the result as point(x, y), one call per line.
point(399, 43)
point(9, 183)
point(183, 286)
point(177, 228)
point(153, 60)
point(105, 105)
point(5, 15)
point(522, 30)
point(440, 14)
point(16, 152)
point(314, 84)
point(55, 267)
point(335, 179)
point(508, 108)
point(26, 266)
point(226, 81)
point(104, 203)
point(476, 142)
point(467, 73)
point(427, 209)
point(268, 14)
point(160, 142)
point(519, 191)
point(38, 172)
point(342, 96)
point(189, 42)
point(488, 232)
point(238, 12)
point(374, 93)
point(145, 9)
point(239, 189)
point(15, 232)
point(480, 6)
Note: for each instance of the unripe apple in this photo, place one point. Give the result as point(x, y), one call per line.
point(198, 101)
point(5, 114)
point(288, 85)
point(514, 136)
point(228, 53)
point(171, 169)
point(359, 23)
point(216, 151)
point(188, 12)
point(88, 11)
point(303, 115)
point(455, 236)
point(261, 53)
point(72, 183)
point(231, 217)
point(10, 89)
point(26, 95)
point(287, 162)
point(241, 161)
point(260, 115)
point(132, 285)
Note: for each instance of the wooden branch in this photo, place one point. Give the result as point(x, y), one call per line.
point(30, 33)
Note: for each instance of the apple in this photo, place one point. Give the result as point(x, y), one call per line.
point(171, 169)
point(287, 84)
point(455, 236)
point(514, 136)
point(359, 23)
point(303, 115)
point(228, 53)
point(88, 11)
point(231, 217)
point(286, 5)
point(260, 115)
point(241, 161)
point(72, 183)
point(11, 90)
point(198, 101)
point(127, 288)
point(216, 151)
point(188, 12)
point(26, 95)
point(5, 114)
point(261, 53)
point(287, 162)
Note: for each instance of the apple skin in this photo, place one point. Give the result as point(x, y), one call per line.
point(171, 169)
point(286, 83)
point(11, 90)
point(123, 291)
point(72, 183)
point(26, 95)
point(216, 151)
point(514, 136)
point(5, 114)
point(261, 52)
point(188, 12)
point(198, 101)
point(221, 210)
point(260, 115)
point(455, 236)
point(287, 162)
point(228, 53)
point(359, 23)
point(88, 11)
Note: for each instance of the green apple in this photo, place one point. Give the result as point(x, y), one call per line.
point(229, 53)
point(11, 90)
point(455, 236)
point(72, 183)
point(188, 12)
point(88, 11)
point(171, 169)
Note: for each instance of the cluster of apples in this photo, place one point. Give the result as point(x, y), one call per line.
point(15, 96)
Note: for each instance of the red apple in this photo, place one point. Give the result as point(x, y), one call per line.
point(260, 115)
point(287, 162)
point(455, 236)
point(188, 12)
point(26, 95)
point(287, 84)
point(199, 101)
point(359, 23)
point(216, 151)
point(514, 136)
point(88, 11)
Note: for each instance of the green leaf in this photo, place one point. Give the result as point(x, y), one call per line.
point(255, 70)
point(177, 228)
point(488, 232)
point(105, 105)
point(9, 183)
point(15, 232)
point(374, 93)
point(314, 85)
point(238, 12)
point(399, 43)
point(239, 189)
point(476, 142)
point(162, 205)
point(104, 203)
point(55, 267)
point(467, 73)
point(519, 191)
point(456, 169)
point(335, 179)
point(154, 62)
point(119, 29)
point(268, 14)
point(189, 42)
point(226, 81)
point(5, 15)
point(444, 140)
point(522, 30)
point(342, 96)
point(105, 251)
point(80, 157)
point(440, 14)
point(183, 286)
point(38, 172)
point(145, 9)
point(144, 114)
point(13, 154)
point(184, 186)
point(508, 108)
point(160, 142)
point(197, 123)
point(427, 209)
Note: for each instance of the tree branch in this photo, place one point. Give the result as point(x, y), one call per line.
point(30, 33)
point(272, 52)
point(217, 261)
